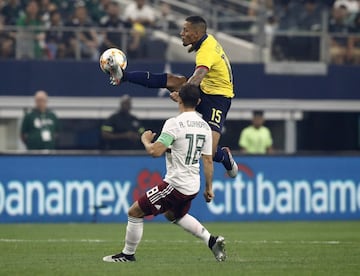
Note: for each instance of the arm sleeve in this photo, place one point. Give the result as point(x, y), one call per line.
point(269, 139)
point(207, 149)
point(108, 125)
point(57, 123)
point(204, 58)
point(25, 125)
point(168, 133)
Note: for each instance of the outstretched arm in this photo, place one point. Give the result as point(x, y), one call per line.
point(198, 75)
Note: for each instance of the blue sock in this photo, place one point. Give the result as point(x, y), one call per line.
point(146, 79)
point(221, 156)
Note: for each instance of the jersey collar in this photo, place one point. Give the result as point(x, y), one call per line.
point(197, 45)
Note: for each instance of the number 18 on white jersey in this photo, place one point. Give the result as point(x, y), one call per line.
point(190, 137)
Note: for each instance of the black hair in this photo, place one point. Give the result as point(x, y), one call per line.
point(197, 20)
point(190, 95)
point(258, 113)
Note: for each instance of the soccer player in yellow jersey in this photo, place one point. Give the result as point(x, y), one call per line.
point(212, 74)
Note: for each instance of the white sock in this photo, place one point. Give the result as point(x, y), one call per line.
point(134, 231)
point(192, 225)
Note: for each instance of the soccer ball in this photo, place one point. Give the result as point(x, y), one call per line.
point(110, 57)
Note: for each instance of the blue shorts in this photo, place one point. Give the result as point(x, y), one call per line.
point(214, 109)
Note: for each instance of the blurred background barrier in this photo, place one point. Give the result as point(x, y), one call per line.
point(251, 81)
point(85, 188)
point(301, 110)
point(297, 61)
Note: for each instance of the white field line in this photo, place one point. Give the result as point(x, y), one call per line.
point(53, 241)
point(171, 241)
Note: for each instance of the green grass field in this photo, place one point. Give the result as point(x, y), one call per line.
point(303, 248)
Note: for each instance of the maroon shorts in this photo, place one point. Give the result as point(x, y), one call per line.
point(164, 198)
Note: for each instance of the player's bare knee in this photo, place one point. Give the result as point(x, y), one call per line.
point(135, 211)
point(174, 82)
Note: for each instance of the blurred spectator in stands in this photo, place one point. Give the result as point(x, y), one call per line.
point(30, 43)
point(298, 16)
point(98, 8)
point(140, 13)
point(254, 6)
point(353, 53)
point(269, 29)
point(256, 138)
point(7, 41)
point(352, 6)
point(46, 8)
point(113, 24)
point(31, 17)
point(84, 43)
point(55, 38)
point(165, 20)
point(141, 16)
point(40, 126)
point(66, 8)
point(340, 29)
point(308, 19)
point(122, 130)
point(285, 14)
point(12, 11)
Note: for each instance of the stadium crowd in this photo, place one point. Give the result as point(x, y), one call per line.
point(94, 25)
point(100, 23)
point(343, 26)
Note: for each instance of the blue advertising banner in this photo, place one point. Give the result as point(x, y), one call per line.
point(102, 188)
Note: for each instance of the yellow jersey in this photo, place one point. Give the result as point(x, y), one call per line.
point(219, 79)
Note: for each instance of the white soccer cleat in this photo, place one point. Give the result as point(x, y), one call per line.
point(119, 258)
point(234, 167)
point(116, 72)
point(218, 249)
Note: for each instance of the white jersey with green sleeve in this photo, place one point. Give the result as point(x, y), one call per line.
point(188, 136)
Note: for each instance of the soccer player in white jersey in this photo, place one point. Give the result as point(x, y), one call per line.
point(185, 139)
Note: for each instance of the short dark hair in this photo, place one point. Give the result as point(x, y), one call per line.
point(258, 113)
point(197, 20)
point(190, 95)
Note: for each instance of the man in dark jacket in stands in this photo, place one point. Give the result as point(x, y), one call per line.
point(122, 130)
